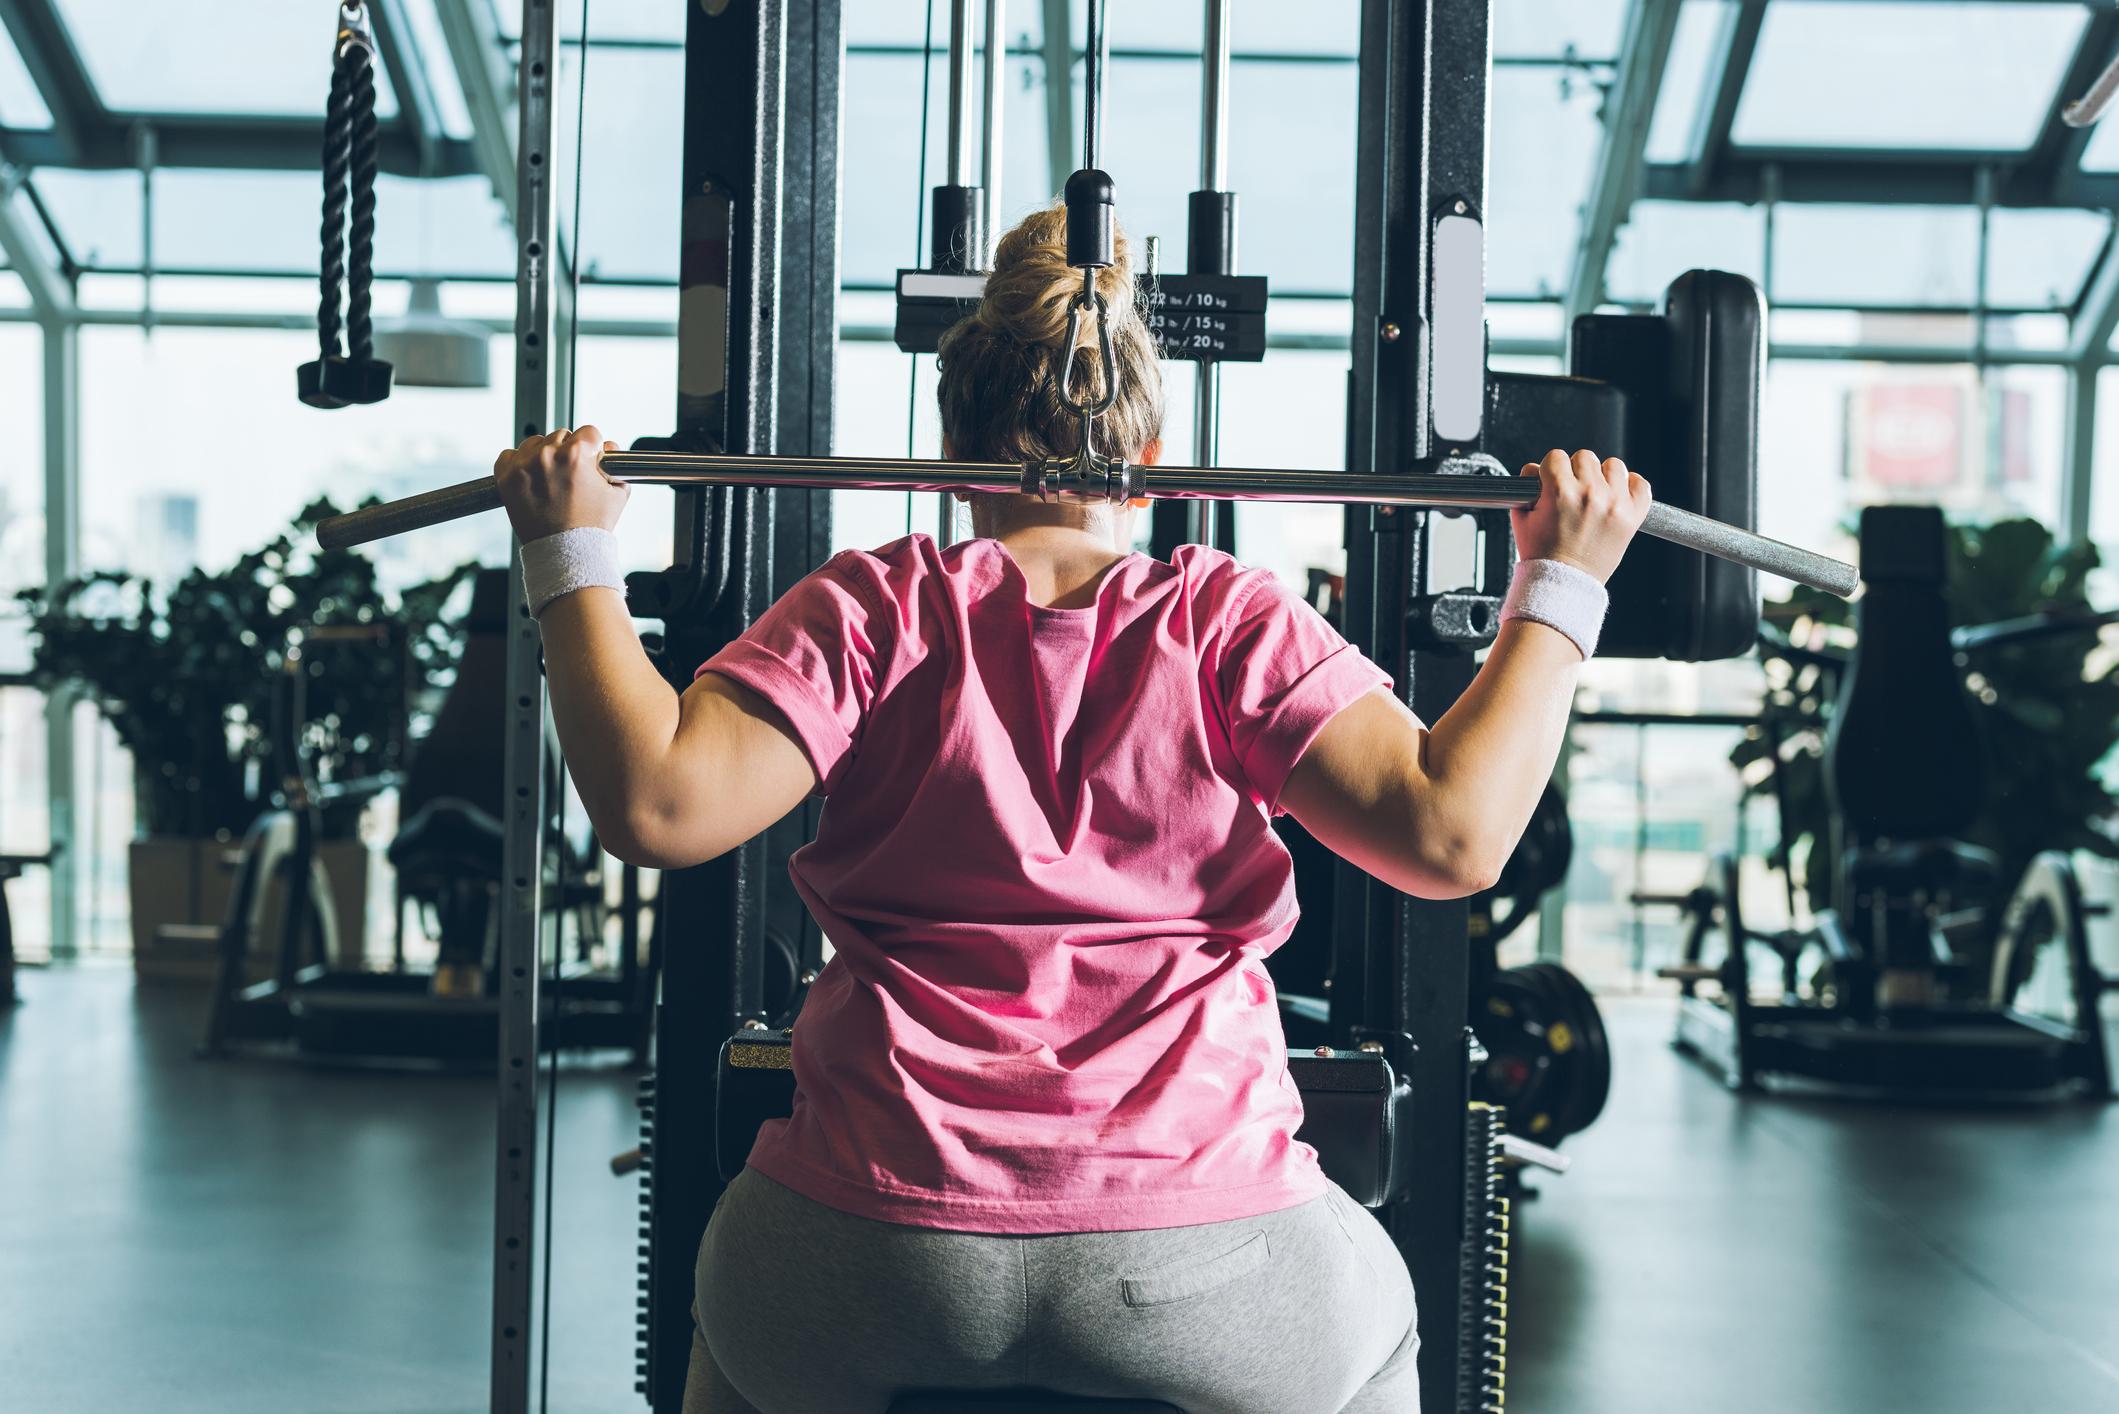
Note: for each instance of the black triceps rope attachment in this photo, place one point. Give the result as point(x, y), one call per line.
point(349, 373)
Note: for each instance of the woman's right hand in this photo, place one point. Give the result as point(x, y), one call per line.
point(556, 482)
point(1586, 512)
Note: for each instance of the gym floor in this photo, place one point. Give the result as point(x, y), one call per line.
point(258, 1237)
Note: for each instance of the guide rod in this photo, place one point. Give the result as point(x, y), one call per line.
point(1432, 490)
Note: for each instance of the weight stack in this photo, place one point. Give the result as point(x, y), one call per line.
point(643, 1315)
point(1483, 1304)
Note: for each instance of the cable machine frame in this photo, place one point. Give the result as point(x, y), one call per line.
point(761, 124)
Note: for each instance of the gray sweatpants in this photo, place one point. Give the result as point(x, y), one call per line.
point(803, 1309)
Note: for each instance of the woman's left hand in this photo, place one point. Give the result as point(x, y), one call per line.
point(556, 482)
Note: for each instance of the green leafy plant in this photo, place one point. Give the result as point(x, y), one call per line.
point(208, 682)
point(2048, 706)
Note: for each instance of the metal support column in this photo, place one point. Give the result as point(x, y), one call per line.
point(1402, 964)
point(2078, 472)
point(62, 561)
point(55, 309)
point(1210, 250)
point(522, 875)
point(1060, 131)
point(760, 125)
point(991, 115)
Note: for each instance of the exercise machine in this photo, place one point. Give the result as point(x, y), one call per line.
point(1430, 431)
point(447, 855)
point(1894, 1013)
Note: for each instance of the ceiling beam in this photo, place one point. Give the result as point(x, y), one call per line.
point(1878, 178)
point(473, 34)
point(407, 67)
point(1629, 109)
point(236, 143)
point(51, 294)
point(1737, 50)
point(55, 66)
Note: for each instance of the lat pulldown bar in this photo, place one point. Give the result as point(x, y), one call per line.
point(1466, 483)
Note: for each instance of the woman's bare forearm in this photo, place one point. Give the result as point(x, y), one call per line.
point(617, 718)
point(1486, 761)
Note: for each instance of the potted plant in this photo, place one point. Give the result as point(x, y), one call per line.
point(227, 683)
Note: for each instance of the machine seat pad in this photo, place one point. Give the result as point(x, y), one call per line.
point(449, 838)
point(1930, 867)
point(1008, 1401)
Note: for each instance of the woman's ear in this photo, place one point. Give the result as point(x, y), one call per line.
point(1151, 454)
point(948, 451)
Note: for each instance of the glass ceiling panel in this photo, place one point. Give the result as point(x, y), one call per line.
point(1858, 256)
point(2102, 153)
point(2039, 259)
point(21, 106)
point(1546, 29)
point(1544, 143)
point(1892, 73)
point(175, 58)
point(1663, 239)
point(1697, 50)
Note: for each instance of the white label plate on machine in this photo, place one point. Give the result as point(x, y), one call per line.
point(1457, 351)
point(920, 285)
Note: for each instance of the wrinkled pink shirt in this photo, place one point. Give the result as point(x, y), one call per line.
point(1046, 868)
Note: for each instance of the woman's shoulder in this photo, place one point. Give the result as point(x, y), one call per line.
point(1222, 587)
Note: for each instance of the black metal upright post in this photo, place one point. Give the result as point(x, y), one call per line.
point(761, 145)
point(1402, 964)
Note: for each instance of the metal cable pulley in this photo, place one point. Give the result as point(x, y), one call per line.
point(347, 372)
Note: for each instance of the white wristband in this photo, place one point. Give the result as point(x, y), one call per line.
point(581, 558)
point(1559, 596)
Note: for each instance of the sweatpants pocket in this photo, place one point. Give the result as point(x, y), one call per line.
point(1195, 1276)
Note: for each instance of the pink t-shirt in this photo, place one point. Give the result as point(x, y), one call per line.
point(1046, 868)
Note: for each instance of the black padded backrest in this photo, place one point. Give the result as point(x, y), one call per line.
point(462, 755)
point(1904, 758)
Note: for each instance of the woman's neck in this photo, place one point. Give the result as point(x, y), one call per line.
point(1064, 550)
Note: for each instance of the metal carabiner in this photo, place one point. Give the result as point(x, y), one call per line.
point(1103, 340)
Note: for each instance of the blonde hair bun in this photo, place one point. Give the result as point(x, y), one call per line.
point(999, 393)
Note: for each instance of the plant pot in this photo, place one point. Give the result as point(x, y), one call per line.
point(180, 889)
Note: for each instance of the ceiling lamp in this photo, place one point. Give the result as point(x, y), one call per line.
point(430, 351)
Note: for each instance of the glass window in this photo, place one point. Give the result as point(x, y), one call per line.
point(2039, 259)
point(1663, 239)
point(636, 20)
point(1874, 255)
point(1324, 27)
point(1547, 29)
point(1690, 77)
point(632, 161)
point(177, 59)
point(1291, 159)
point(1544, 144)
point(1835, 436)
point(21, 105)
point(1879, 73)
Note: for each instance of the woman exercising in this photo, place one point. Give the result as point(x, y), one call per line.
point(1044, 1131)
